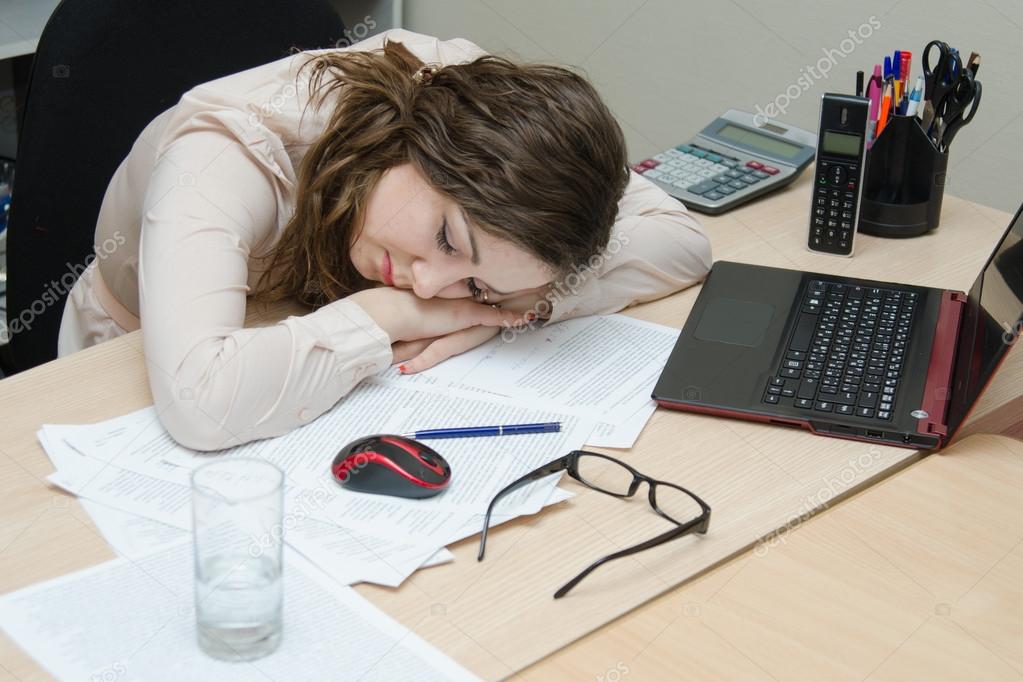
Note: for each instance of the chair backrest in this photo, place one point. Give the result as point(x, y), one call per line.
point(102, 71)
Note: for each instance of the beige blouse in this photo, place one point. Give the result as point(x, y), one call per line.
point(207, 188)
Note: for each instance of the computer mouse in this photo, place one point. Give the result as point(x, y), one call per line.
point(383, 464)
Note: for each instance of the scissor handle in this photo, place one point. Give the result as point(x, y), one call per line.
point(938, 79)
point(960, 120)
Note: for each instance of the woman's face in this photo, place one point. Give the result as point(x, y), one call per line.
point(415, 238)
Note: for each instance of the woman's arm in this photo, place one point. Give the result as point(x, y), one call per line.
point(657, 248)
point(209, 206)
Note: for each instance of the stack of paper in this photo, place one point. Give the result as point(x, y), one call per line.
point(592, 374)
point(135, 620)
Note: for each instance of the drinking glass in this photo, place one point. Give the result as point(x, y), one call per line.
point(237, 512)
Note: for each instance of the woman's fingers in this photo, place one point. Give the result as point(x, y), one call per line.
point(445, 347)
point(406, 350)
point(487, 315)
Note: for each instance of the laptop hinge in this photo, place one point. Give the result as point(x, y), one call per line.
point(938, 388)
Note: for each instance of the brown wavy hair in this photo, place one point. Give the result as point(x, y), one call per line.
point(529, 152)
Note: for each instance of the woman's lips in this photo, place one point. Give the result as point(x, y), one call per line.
point(385, 270)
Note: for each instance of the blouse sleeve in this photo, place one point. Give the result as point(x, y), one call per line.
point(657, 248)
point(208, 207)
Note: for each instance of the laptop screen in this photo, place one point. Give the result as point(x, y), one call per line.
point(991, 323)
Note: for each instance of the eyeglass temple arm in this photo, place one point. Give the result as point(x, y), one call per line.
point(535, 475)
point(698, 525)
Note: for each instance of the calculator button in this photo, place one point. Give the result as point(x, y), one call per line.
point(725, 189)
point(755, 165)
point(715, 158)
point(760, 175)
point(650, 163)
point(734, 173)
point(698, 153)
point(662, 157)
point(723, 177)
point(749, 179)
point(653, 174)
point(684, 148)
point(770, 170)
point(701, 187)
point(640, 168)
point(744, 169)
point(737, 184)
point(714, 196)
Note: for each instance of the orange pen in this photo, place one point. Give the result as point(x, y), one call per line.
point(886, 103)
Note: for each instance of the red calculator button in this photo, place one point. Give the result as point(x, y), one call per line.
point(755, 165)
point(640, 168)
point(770, 170)
point(650, 163)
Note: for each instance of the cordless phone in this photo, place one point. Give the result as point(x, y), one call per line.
point(838, 178)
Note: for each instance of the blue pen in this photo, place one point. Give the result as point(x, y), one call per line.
point(475, 431)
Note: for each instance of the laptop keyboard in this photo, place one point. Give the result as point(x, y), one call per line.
point(847, 351)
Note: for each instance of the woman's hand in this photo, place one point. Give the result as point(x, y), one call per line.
point(422, 354)
point(405, 317)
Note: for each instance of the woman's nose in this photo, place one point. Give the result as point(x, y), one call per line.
point(429, 281)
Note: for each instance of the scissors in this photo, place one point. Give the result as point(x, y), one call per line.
point(955, 114)
point(949, 89)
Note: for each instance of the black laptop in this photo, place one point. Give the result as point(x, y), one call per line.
point(844, 357)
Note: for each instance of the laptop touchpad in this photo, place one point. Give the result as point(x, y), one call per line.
point(729, 320)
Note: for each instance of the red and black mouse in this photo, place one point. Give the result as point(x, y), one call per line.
point(391, 465)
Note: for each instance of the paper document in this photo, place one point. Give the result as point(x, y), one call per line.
point(599, 367)
point(135, 620)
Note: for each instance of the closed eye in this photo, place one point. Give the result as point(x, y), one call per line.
point(443, 243)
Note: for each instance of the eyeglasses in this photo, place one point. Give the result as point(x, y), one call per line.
point(610, 476)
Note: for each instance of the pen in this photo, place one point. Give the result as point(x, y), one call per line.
point(915, 97)
point(874, 95)
point(896, 81)
point(907, 61)
point(476, 431)
point(886, 103)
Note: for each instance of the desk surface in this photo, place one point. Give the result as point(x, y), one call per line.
point(916, 578)
point(498, 617)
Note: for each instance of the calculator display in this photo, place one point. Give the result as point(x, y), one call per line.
point(843, 144)
point(755, 140)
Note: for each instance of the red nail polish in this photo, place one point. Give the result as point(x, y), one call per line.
point(402, 369)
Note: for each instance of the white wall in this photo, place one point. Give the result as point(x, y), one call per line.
point(667, 67)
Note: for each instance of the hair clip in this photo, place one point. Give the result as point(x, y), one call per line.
point(424, 75)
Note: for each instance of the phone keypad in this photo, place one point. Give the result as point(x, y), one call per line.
point(834, 207)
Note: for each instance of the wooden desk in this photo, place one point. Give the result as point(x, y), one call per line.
point(916, 578)
point(498, 617)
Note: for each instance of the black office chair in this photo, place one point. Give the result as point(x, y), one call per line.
point(102, 71)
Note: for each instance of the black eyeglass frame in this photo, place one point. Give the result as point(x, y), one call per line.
point(570, 463)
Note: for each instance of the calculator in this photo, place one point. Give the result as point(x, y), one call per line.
point(737, 157)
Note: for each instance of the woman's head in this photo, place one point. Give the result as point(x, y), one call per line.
point(419, 170)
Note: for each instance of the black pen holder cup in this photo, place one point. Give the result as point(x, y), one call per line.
point(903, 182)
